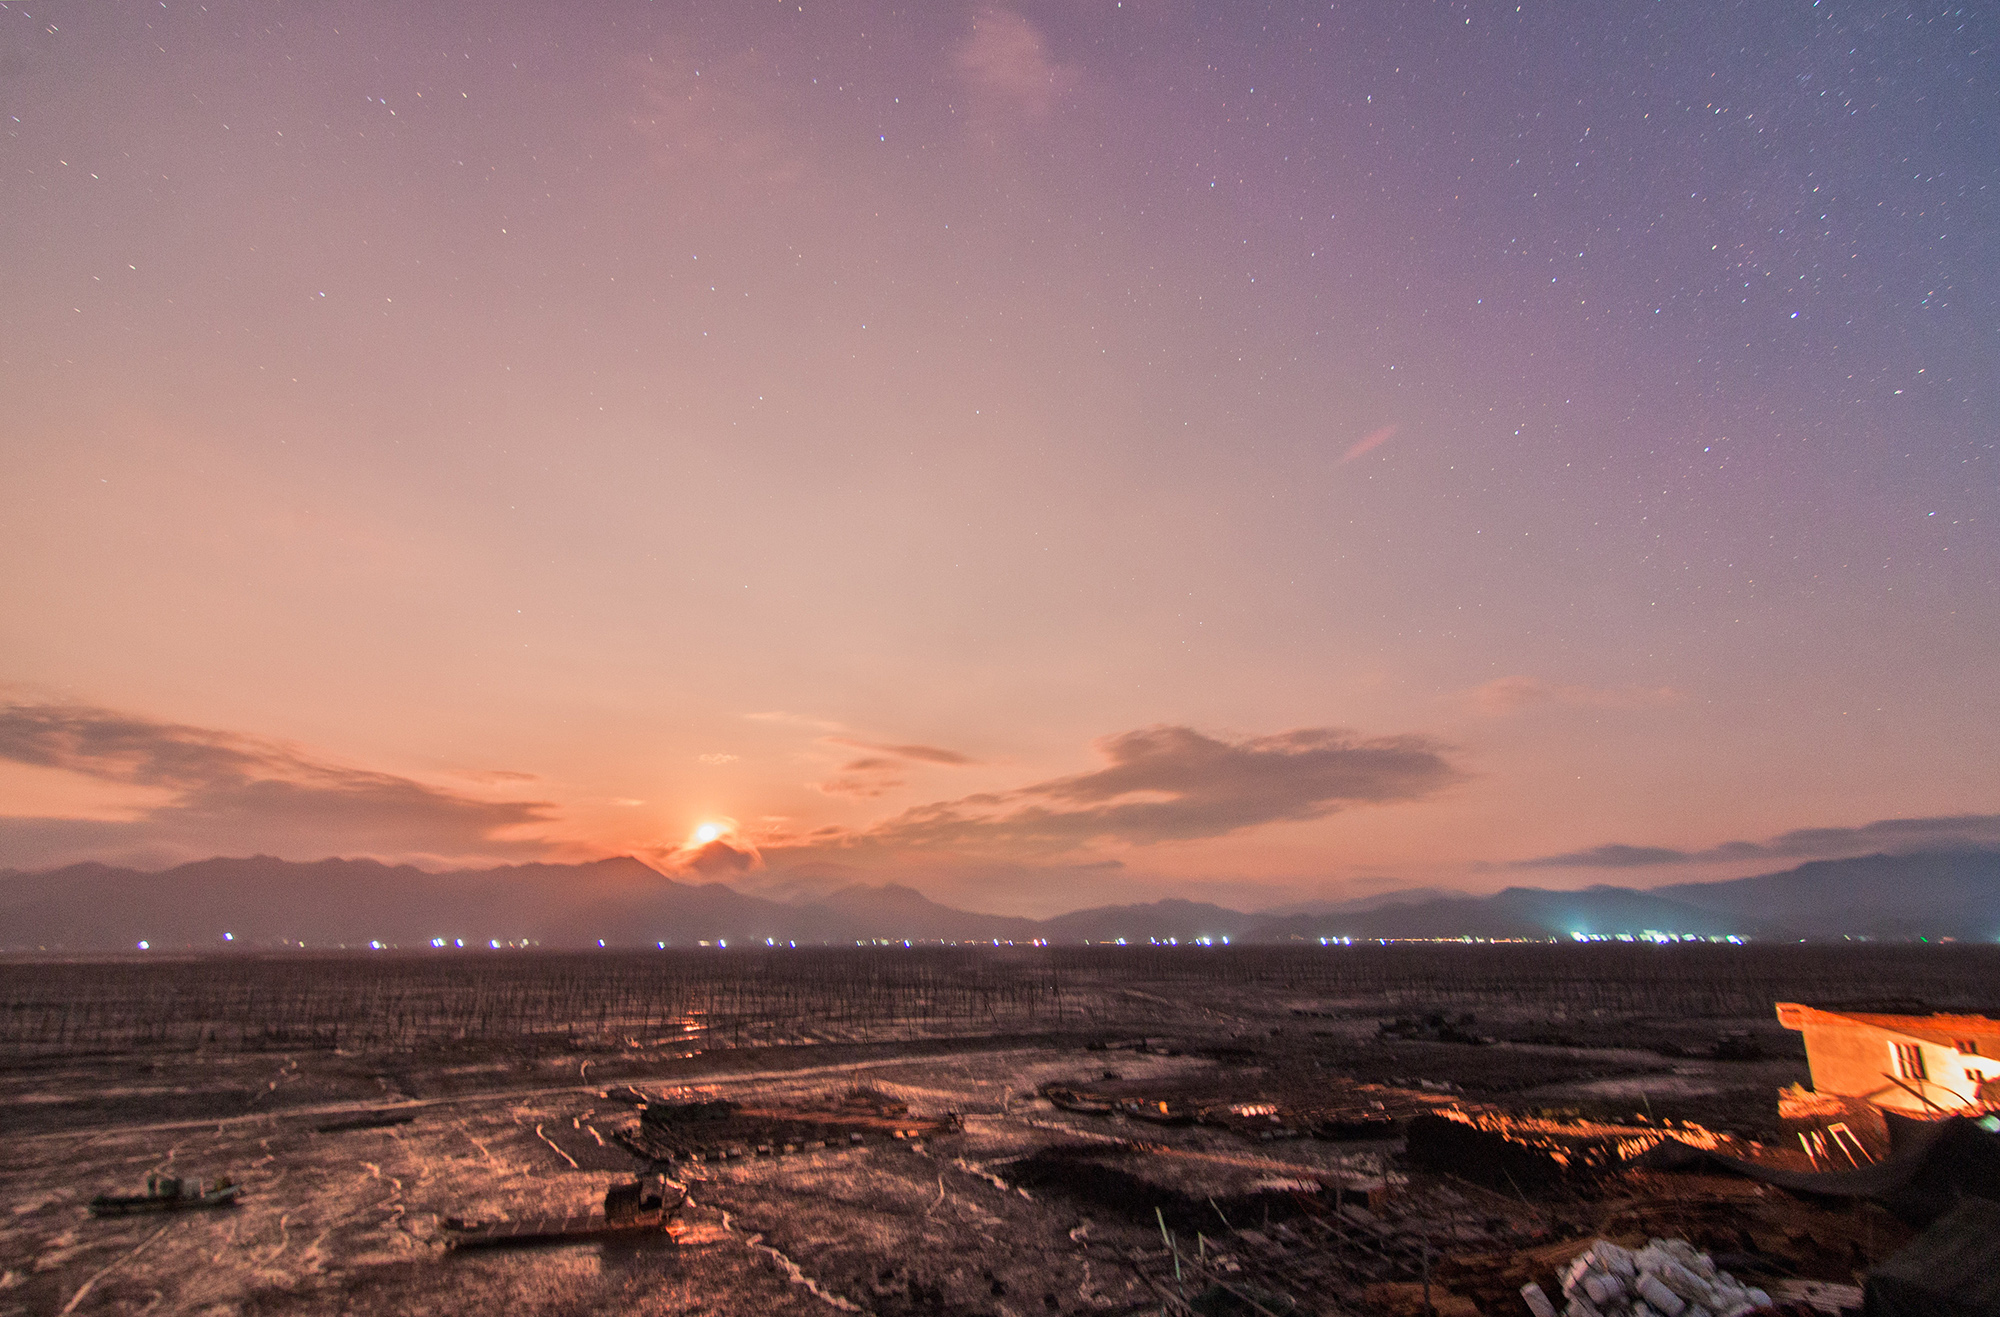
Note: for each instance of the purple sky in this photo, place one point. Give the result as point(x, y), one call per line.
point(1048, 454)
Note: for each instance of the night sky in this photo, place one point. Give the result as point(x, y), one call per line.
point(1050, 455)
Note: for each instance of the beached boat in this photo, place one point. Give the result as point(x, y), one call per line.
point(1157, 1113)
point(1355, 1126)
point(628, 1210)
point(1068, 1099)
point(167, 1193)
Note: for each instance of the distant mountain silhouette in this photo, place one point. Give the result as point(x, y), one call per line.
point(1525, 912)
point(261, 902)
point(1949, 893)
point(891, 912)
point(1402, 896)
point(1181, 920)
point(1938, 894)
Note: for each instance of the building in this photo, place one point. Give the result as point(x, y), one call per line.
point(1915, 1065)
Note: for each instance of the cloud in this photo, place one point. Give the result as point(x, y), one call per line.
point(713, 126)
point(234, 793)
point(1177, 784)
point(1612, 856)
point(1944, 832)
point(1005, 61)
point(926, 754)
point(1505, 695)
point(793, 719)
point(719, 857)
point(716, 759)
point(1369, 443)
point(719, 860)
point(862, 784)
point(877, 773)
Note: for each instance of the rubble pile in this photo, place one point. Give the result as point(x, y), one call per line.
point(1667, 1278)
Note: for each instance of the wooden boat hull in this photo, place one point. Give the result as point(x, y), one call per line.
point(580, 1229)
point(1343, 1130)
point(137, 1204)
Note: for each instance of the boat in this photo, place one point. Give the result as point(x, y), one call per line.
point(1355, 1126)
point(628, 1210)
point(1157, 1113)
point(167, 1193)
point(1068, 1099)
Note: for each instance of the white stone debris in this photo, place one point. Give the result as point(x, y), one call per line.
point(1667, 1278)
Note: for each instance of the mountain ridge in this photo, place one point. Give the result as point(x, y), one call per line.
point(622, 901)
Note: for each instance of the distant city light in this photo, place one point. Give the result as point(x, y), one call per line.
point(145, 946)
point(1659, 937)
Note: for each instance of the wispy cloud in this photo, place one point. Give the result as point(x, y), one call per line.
point(879, 772)
point(1176, 784)
point(495, 775)
point(231, 793)
point(793, 719)
point(862, 779)
point(714, 125)
point(1949, 831)
point(1369, 443)
point(923, 754)
point(1505, 695)
point(1005, 61)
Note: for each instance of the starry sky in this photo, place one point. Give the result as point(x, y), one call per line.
point(1048, 454)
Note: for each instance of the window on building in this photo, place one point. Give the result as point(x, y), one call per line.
point(1909, 1061)
point(1967, 1046)
point(1974, 1077)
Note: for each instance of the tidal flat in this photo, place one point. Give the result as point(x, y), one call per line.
point(1090, 1130)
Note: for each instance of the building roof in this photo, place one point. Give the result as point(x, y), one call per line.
point(1937, 1027)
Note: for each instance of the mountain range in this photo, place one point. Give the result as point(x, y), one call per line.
point(264, 902)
